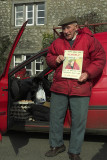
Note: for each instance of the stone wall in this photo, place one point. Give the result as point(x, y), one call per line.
point(94, 11)
point(31, 41)
point(5, 17)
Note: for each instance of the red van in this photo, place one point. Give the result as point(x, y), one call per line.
point(19, 109)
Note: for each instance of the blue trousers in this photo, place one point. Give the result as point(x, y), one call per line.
point(79, 110)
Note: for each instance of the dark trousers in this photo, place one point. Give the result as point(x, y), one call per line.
point(79, 109)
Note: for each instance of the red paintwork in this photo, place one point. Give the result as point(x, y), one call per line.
point(4, 84)
point(3, 104)
point(67, 122)
point(99, 92)
point(97, 119)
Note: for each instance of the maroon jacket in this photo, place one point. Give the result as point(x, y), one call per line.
point(93, 63)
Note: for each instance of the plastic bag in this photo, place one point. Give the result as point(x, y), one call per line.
point(40, 95)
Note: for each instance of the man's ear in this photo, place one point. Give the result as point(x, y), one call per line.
point(77, 27)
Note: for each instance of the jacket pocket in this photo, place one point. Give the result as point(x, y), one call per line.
point(82, 89)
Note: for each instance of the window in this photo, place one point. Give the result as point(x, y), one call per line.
point(30, 14)
point(38, 65)
point(34, 13)
point(40, 14)
point(18, 59)
point(18, 15)
point(32, 68)
point(29, 67)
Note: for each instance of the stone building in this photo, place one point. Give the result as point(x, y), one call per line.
point(42, 16)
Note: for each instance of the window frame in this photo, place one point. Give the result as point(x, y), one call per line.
point(19, 12)
point(27, 14)
point(33, 69)
point(35, 3)
point(22, 58)
point(40, 62)
point(37, 11)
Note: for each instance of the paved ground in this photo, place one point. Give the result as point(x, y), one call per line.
point(32, 146)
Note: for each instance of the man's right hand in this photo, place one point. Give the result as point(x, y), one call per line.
point(59, 59)
point(84, 76)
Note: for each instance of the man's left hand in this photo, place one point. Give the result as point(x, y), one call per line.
point(84, 76)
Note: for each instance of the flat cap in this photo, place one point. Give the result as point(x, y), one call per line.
point(67, 20)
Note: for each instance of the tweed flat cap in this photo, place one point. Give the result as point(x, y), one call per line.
point(67, 20)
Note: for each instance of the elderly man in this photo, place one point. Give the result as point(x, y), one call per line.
point(76, 92)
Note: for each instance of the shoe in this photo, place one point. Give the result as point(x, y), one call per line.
point(74, 156)
point(55, 150)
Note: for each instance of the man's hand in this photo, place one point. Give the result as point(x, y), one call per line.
point(84, 76)
point(59, 59)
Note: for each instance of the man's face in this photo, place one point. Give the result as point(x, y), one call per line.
point(69, 31)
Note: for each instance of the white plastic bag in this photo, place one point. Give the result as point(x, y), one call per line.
point(40, 95)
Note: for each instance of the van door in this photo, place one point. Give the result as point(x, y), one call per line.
point(4, 86)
